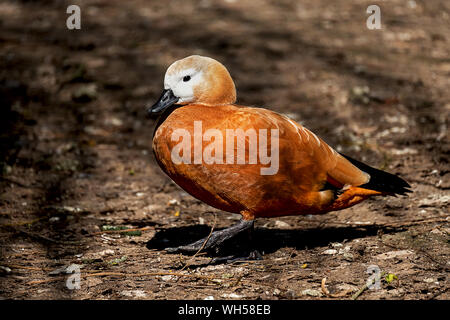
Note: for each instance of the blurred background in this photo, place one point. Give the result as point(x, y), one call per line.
point(75, 143)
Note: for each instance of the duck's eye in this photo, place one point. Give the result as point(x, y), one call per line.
point(186, 78)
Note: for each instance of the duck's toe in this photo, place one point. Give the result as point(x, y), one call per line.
point(190, 248)
point(253, 255)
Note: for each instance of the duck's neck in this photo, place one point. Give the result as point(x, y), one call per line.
point(164, 115)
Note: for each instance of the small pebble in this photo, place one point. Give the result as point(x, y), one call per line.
point(107, 252)
point(54, 219)
point(5, 270)
point(312, 293)
point(281, 224)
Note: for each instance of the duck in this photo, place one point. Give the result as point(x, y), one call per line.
point(250, 160)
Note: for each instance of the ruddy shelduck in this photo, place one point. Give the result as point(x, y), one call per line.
point(198, 106)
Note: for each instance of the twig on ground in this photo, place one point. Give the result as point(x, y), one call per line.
point(21, 223)
point(324, 288)
point(119, 231)
point(16, 266)
point(366, 286)
point(203, 245)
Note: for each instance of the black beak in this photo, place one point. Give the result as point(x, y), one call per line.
point(166, 100)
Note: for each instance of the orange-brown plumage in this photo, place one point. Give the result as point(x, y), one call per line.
point(307, 165)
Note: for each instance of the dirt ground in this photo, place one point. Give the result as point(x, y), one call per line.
point(76, 162)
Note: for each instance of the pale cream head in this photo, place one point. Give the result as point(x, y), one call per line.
point(200, 80)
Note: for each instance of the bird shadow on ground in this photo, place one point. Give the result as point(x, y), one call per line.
point(265, 240)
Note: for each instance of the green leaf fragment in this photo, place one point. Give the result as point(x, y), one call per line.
point(113, 228)
point(390, 277)
point(118, 260)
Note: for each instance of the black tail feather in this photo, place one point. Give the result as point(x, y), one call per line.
point(380, 180)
